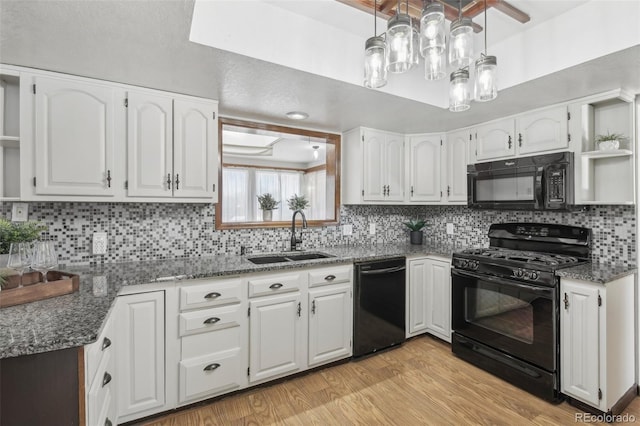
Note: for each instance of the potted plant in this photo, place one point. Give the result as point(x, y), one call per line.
point(298, 202)
point(17, 232)
point(416, 226)
point(267, 205)
point(609, 141)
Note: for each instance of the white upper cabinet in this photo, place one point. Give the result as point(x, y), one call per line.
point(541, 131)
point(74, 138)
point(495, 140)
point(150, 145)
point(383, 155)
point(194, 148)
point(456, 147)
point(424, 167)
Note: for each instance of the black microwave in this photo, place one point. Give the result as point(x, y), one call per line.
point(541, 182)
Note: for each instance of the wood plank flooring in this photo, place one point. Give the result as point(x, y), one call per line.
point(419, 383)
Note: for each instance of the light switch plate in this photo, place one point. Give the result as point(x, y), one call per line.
point(347, 229)
point(100, 285)
point(99, 243)
point(19, 212)
point(449, 228)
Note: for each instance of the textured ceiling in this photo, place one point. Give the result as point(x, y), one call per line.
point(146, 43)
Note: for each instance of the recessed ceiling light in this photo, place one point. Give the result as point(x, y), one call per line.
point(297, 115)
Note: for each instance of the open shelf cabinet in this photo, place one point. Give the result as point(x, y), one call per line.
point(9, 136)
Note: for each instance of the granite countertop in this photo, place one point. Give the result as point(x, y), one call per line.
point(76, 319)
point(594, 272)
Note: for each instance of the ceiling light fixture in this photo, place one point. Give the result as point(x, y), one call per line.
point(460, 41)
point(297, 115)
point(399, 42)
point(375, 63)
point(485, 87)
point(315, 151)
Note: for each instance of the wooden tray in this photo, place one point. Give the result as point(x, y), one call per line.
point(60, 283)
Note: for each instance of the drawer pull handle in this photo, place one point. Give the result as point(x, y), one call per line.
point(106, 379)
point(211, 367)
point(105, 343)
point(108, 422)
point(213, 295)
point(330, 277)
point(211, 320)
point(275, 286)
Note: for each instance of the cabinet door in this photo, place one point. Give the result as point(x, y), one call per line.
point(417, 299)
point(579, 337)
point(495, 140)
point(140, 361)
point(330, 329)
point(195, 145)
point(456, 147)
point(438, 285)
point(374, 166)
point(150, 145)
point(74, 138)
point(394, 167)
point(275, 336)
point(424, 168)
point(543, 131)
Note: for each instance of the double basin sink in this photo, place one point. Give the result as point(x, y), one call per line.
point(287, 257)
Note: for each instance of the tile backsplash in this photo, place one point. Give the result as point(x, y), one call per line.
point(140, 231)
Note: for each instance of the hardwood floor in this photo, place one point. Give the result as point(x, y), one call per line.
point(419, 383)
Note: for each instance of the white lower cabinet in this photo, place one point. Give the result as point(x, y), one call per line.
point(330, 323)
point(429, 297)
point(140, 353)
point(597, 342)
point(100, 376)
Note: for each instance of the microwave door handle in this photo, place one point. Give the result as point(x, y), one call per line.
point(539, 188)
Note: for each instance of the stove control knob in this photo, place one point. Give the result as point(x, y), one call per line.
point(474, 264)
point(518, 273)
point(534, 276)
point(464, 263)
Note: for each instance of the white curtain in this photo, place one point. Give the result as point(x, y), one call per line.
point(316, 192)
point(235, 203)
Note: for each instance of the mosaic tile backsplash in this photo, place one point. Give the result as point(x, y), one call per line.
point(162, 231)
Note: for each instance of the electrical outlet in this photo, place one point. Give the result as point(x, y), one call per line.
point(372, 228)
point(99, 243)
point(347, 229)
point(449, 228)
point(99, 285)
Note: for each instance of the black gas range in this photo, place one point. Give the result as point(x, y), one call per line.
point(505, 302)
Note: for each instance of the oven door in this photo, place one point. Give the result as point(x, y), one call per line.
point(513, 317)
point(505, 186)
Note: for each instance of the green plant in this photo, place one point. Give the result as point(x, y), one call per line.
point(609, 137)
point(15, 232)
point(416, 224)
point(298, 202)
point(267, 202)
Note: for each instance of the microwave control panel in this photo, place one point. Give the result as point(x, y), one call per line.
point(556, 194)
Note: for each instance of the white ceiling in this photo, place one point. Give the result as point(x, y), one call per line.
point(147, 43)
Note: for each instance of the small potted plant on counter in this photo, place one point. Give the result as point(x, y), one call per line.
point(16, 232)
point(609, 141)
point(416, 226)
point(298, 202)
point(267, 205)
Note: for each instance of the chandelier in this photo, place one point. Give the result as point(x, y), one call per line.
point(407, 39)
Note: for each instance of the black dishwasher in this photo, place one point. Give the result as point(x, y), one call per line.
point(378, 305)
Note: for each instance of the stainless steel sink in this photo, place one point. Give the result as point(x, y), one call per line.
point(287, 257)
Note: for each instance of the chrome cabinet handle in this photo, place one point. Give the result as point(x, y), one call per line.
point(211, 320)
point(448, 190)
point(299, 309)
point(177, 181)
point(105, 343)
point(106, 379)
point(275, 286)
point(520, 139)
point(509, 142)
point(313, 306)
point(108, 178)
point(566, 301)
point(213, 295)
point(412, 190)
point(330, 277)
point(108, 422)
point(169, 181)
point(211, 367)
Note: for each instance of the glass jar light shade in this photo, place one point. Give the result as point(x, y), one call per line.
point(434, 65)
point(399, 43)
point(459, 98)
point(415, 25)
point(375, 66)
point(461, 43)
point(432, 35)
point(486, 88)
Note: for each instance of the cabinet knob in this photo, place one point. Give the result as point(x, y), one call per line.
point(313, 306)
point(105, 343)
point(275, 286)
point(520, 139)
point(330, 278)
point(448, 190)
point(566, 301)
point(211, 367)
point(299, 309)
point(108, 178)
point(509, 142)
point(177, 181)
point(213, 295)
point(211, 320)
point(108, 422)
point(106, 379)
point(169, 181)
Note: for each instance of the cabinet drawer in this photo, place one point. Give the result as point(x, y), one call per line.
point(328, 276)
point(209, 375)
point(100, 392)
point(210, 293)
point(204, 344)
point(211, 319)
point(274, 284)
point(95, 352)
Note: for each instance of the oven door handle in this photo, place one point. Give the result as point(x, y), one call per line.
point(533, 289)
